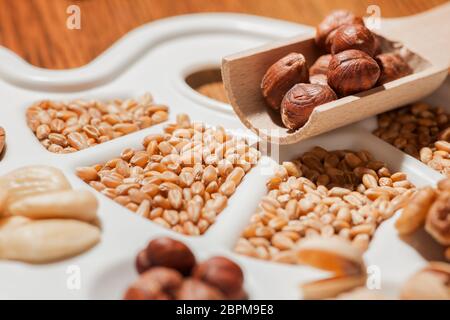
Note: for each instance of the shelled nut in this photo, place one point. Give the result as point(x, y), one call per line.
point(318, 71)
point(76, 125)
point(168, 272)
point(336, 255)
point(352, 71)
point(221, 273)
point(432, 282)
point(44, 241)
point(420, 130)
point(323, 193)
point(41, 219)
point(327, 28)
point(354, 36)
point(181, 180)
point(282, 76)
point(159, 283)
point(300, 101)
point(392, 67)
point(169, 253)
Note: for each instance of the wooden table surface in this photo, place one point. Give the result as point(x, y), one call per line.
point(36, 29)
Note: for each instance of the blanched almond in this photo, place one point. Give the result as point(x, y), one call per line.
point(9, 223)
point(32, 180)
point(47, 240)
point(69, 204)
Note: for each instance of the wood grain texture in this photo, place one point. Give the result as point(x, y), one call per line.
point(36, 29)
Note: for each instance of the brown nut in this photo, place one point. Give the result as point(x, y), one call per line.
point(354, 36)
point(438, 219)
point(300, 101)
point(444, 185)
point(444, 135)
point(326, 29)
point(352, 71)
point(194, 289)
point(281, 76)
point(415, 211)
point(156, 284)
point(221, 273)
point(142, 263)
point(318, 71)
point(169, 253)
point(392, 67)
point(432, 282)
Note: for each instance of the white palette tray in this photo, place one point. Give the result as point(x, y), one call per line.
point(156, 58)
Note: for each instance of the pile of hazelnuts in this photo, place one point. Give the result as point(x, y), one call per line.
point(352, 62)
point(169, 271)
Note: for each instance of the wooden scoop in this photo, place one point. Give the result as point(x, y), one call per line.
point(423, 40)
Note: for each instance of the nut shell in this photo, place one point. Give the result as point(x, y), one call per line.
point(281, 76)
point(354, 36)
point(156, 284)
point(221, 273)
point(392, 67)
point(318, 71)
point(301, 100)
point(166, 252)
point(194, 289)
point(352, 71)
point(326, 29)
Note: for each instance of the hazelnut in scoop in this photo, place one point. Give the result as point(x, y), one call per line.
point(392, 67)
point(354, 36)
point(352, 71)
point(300, 101)
point(318, 71)
point(326, 30)
point(281, 76)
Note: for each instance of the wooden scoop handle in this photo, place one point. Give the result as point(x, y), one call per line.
point(427, 34)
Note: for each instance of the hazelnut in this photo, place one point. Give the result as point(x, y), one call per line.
point(281, 76)
point(326, 29)
point(194, 289)
point(352, 71)
point(142, 263)
point(438, 219)
point(354, 36)
point(166, 252)
point(318, 71)
point(221, 273)
point(156, 284)
point(301, 100)
point(392, 67)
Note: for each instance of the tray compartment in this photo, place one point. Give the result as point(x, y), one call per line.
point(181, 179)
point(266, 239)
point(67, 127)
